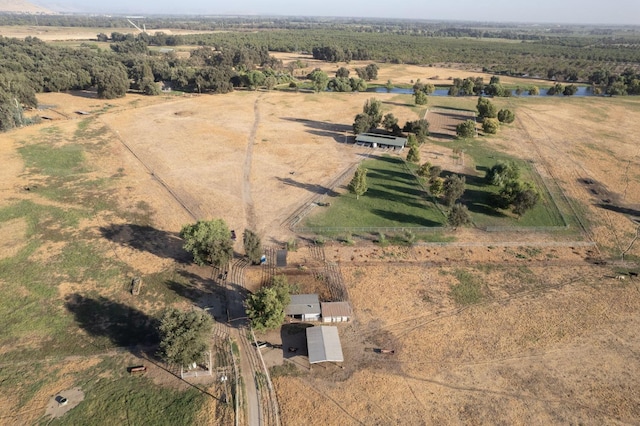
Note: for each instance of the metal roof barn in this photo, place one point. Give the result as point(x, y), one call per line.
point(381, 140)
point(336, 311)
point(324, 344)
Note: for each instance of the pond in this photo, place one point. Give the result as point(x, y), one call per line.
point(582, 91)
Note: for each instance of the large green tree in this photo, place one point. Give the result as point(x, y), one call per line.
point(420, 98)
point(373, 108)
point(506, 116)
point(453, 189)
point(486, 109)
point(319, 80)
point(358, 184)
point(458, 215)
point(209, 241)
point(252, 246)
point(525, 199)
point(490, 125)
point(362, 123)
point(265, 308)
point(184, 336)
point(466, 129)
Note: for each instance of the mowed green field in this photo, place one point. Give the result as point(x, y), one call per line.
point(394, 199)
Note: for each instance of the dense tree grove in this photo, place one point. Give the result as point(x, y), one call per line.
point(606, 58)
point(31, 66)
point(515, 194)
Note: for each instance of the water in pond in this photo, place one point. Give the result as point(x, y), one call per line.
point(582, 91)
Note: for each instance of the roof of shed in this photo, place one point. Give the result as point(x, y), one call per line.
point(303, 304)
point(336, 309)
point(324, 344)
point(381, 139)
point(281, 258)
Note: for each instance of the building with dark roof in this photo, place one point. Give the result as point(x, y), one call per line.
point(305, 307)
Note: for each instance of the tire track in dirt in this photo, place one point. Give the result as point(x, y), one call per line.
point(247, 198)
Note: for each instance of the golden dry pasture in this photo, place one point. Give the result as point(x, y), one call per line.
point(554, 338)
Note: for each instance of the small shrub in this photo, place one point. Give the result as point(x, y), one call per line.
point(292, 245)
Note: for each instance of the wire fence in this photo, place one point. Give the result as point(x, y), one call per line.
point(369, 229)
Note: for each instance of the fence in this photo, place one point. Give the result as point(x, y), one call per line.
point(526, 228)
point(370, 229)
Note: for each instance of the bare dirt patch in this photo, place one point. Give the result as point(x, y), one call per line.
point(442, 122)
point(13, 237)
point(64, 402)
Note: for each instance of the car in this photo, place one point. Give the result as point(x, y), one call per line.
point(233, 235)
point(259, 344)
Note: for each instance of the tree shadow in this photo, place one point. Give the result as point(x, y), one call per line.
point(112, 323)
point(339, 132)
point(219, 295)
point(441, 135)
point(91, 93)
point(400, 104)
point(619, 209)
point(311, 187)
point(481, 202)
point(147, 238)
point(406, 218)
point(416, 192)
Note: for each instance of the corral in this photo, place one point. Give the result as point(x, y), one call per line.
point(443, 122)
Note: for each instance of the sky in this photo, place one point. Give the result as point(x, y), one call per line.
point(622, 12)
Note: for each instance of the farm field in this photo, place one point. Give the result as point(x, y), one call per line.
point(87, 202)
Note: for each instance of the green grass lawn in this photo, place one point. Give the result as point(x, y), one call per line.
point(394, 199)
point(478, 193)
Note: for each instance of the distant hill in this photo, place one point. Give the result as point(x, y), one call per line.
point(22, 6)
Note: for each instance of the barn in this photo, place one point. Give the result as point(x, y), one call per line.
point(376, 140)
point(324, 345)
point(336, 311)
point(305, 307)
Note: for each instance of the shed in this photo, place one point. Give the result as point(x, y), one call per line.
point(281, 258)
point(336, 311)
point(324, 344)
point(383, 141)
point(305, 307)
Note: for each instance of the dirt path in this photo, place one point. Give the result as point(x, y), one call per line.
point(247, 198)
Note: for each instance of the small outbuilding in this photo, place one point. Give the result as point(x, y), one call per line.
point(281, 258)
point(336, 311)
point(376, 140)
point(324, 345)
point(305, 307)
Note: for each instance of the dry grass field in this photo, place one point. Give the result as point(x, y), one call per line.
point(552, 340)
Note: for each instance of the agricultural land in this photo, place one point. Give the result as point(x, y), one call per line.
point(529, 320)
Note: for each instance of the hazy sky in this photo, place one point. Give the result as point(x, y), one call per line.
point(553, 11)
